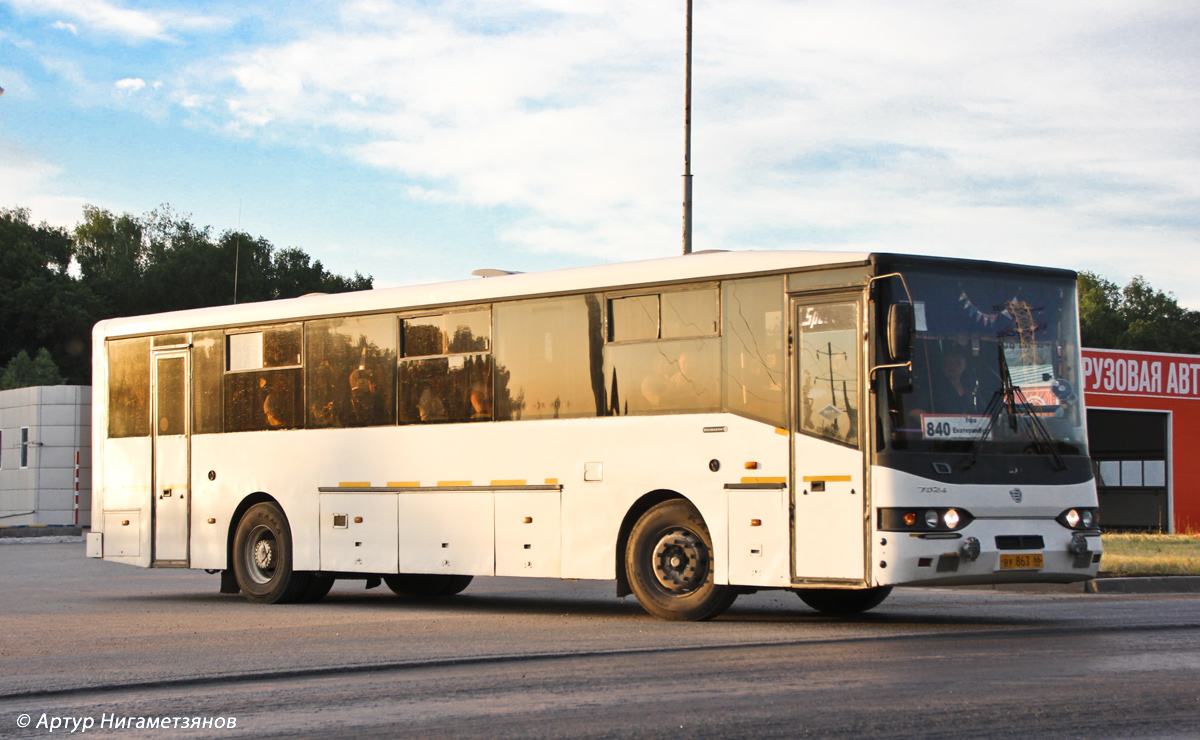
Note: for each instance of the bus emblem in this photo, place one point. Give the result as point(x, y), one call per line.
point(1016, 494)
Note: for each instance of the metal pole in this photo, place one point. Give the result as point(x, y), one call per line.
point(687, 137)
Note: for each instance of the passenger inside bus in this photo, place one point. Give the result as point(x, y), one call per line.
point(430, 407)
point(481, 402)
point(364, 391)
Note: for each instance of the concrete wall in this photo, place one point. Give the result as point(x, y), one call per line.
point(59, 419)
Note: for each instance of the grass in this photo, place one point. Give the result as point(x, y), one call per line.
point(1151, 555)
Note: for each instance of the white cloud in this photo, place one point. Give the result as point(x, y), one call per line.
point(130, 85)
point(63, 26)
point(899, 124)
point(1056, 133)
point(129, 24)
point(27, 182)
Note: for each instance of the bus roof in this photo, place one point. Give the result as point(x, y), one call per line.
point(700, 266)
point(663, 271)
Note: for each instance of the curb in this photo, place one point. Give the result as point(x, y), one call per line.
point(42, 530)
point(1145, 585)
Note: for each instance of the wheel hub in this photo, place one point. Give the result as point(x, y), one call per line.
point(264, 554)
point(680, 561)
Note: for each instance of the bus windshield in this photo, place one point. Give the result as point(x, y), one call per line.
point(996, 364)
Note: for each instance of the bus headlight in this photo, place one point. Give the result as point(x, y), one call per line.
point(941, 519)
point(1079, 519)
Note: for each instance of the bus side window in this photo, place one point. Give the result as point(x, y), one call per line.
point(752, 337)
point(129, 388)
point(652, 368)
point(350, 373)
point(445, 373)
point(264, 383)
point(208, 370)
point(549, 358)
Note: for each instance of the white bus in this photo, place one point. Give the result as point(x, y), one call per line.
point(693, 428)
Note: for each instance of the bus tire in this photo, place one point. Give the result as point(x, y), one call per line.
point(426, 585)
point(843, 600)
point(262, 557)
point(318, 587)
point(669, 563)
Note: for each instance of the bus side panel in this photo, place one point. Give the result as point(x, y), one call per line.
point(227, 468)
point(211, 500)
point(126, 495)
point(640, 455)
point(630, 456)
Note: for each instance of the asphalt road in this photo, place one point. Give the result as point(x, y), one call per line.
point(84, 639)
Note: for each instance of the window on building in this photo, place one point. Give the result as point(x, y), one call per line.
point(24, 447)
point(1131, 473)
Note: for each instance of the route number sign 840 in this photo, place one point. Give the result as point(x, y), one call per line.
point(952, 426)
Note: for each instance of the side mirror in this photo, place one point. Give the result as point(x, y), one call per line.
point(900, 332)
point(900, 380)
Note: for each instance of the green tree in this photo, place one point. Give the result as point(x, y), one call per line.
point(1100, 319)
point(1136, 317)
point(1156, 322)
point(112, 257)
point(129, 266)
point(41, 304)
point(164, 262)
point(293, 276)
point(23, 372)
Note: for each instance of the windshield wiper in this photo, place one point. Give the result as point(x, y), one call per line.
point(1010, 398)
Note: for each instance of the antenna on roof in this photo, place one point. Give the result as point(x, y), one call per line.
point(237, 251)
point(687, 137)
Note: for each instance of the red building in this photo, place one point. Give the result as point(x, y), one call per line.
point(1144, 437)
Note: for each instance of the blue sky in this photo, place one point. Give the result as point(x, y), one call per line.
point(417, 141)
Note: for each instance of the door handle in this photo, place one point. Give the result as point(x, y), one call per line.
point(166, 493)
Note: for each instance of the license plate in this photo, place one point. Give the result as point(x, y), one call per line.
point(1032, 561)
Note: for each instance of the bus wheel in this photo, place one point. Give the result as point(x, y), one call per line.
point(843, 600)
point(423, 585)
point(318, 587)
point(669, 563)
point(262, 557)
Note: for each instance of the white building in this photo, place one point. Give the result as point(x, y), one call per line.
point(46, 456)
